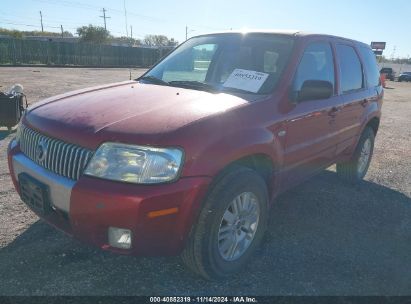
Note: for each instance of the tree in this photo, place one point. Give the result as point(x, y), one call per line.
point(125, 40)
point(94, 34)
point(172, 42)
point(12, 33)
point(159, 40)
point(22, 34)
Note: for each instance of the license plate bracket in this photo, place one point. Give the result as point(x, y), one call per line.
point(34, 193)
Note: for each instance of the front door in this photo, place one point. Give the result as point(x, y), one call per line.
point(311, 139)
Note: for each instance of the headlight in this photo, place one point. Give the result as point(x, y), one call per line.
point(135, 164)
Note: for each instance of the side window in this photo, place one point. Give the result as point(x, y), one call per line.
point(351, 71)
point(316, 64)
point(371, 67)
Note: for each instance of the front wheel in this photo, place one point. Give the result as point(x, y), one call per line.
point(230, 226)
point(355, 169)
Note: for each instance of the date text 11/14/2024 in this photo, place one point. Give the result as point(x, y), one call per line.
point(203, 299)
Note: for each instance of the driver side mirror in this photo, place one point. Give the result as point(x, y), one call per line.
point(313, 90)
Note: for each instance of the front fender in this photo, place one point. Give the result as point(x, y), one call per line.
point(232, 146)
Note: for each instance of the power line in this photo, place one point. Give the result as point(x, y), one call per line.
point(83, 6)
point(93, 7)
point(24, 24)
point(32, 19)
point(59, 27)
point(69, 3)
point(12, 23)
point(76, 4)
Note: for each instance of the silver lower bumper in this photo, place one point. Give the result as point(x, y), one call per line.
point(60, 187)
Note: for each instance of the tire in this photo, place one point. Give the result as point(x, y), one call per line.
point(205, 253)
point(356, 168)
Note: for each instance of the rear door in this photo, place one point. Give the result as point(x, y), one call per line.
point(354, 92)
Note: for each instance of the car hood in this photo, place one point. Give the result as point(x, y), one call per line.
point(124, 110)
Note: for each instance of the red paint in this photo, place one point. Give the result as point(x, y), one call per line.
point(213, 129)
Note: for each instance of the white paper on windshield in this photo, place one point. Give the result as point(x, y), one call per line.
point(246, 80)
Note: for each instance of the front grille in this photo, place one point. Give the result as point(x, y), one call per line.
point(62, 158)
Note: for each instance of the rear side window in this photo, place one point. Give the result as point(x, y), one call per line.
point(350, 67)
point(371, 67)
point(316, 64)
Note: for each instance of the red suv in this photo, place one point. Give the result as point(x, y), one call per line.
point(188, 158)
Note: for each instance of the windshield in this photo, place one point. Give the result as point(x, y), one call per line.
point(250, 63)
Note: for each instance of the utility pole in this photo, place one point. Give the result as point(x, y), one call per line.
point(62, 31)
point(131, 31)
point(393, 53)
point(41, 21)
point(104, 17)
point(125, 16)
point(188, 31)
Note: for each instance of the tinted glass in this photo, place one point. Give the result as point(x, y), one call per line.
point(212, 59)
point(316, 64)
point(193, 68)
point(371, 67)
point(351, 70)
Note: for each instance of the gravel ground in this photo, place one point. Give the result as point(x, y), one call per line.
point(324, 238)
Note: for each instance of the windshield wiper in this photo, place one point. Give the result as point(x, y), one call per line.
point(154, 80)
point(192, 84)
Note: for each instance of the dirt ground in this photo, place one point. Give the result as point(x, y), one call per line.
point(324, 237)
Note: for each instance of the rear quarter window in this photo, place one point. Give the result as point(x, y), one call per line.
point(371, 67)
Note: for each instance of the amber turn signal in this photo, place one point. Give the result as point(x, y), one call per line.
point(153, 214)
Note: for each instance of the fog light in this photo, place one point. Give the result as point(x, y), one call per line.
point(119, 238)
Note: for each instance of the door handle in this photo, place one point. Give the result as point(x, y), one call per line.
point(364, 102)
point(333, 112)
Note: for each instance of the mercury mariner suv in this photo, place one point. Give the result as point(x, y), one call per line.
point(187, 159)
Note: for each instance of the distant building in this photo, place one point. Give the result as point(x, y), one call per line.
point(398, 68)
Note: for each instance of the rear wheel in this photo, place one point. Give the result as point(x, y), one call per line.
point(355, 169)
point(230, 226)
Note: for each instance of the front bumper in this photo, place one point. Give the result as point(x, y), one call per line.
point(86, 208)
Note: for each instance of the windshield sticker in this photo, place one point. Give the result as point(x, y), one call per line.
point(246, 80)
